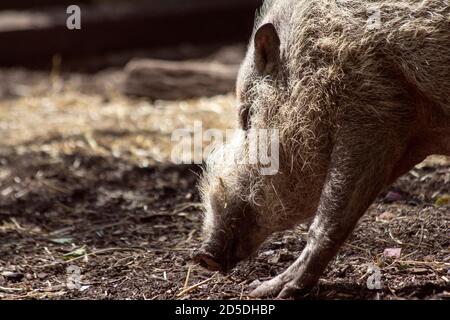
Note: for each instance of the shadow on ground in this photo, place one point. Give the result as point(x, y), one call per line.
point(131, 231)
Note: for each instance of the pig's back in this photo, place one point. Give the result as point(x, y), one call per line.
point(419, 45)
point(411, 42)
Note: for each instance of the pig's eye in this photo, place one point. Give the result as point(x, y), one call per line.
point(244, 116)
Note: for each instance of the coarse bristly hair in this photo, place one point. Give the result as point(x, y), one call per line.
point(335, 70)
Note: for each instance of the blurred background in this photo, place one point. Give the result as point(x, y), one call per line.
point(126, 54)
point(33, 31)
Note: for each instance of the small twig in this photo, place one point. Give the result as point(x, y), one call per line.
point(56, 188)
point(436, 263)
point(242, 292)
point(190, 235)
point(101, 251)
point(106, 226)
point(16, 224)
point(4, 289)
point(392, 237)
point(392, 292)
point(61, 231)
point(358, 248)
point(182, 207)
point(422, 226)
point(423, 245)
point(195, 286)
point(186, 282)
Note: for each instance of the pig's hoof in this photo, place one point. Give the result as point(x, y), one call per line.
point(269, 289)
point(295, 290)
point(290, 292)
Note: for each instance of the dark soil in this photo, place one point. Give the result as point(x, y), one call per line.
point(138, 227)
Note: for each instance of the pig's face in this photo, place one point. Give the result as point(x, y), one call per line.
point(232, 229)
point(235, 224)
point(232, 234)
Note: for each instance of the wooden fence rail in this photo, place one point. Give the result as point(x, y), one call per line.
point(32, 36)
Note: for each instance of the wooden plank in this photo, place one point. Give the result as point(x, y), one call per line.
point(170, 80)
point(35, 36)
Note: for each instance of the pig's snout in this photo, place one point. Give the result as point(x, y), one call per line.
point(211, 262)
point(207, 261)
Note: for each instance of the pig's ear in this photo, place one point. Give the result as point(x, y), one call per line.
point(267, 49)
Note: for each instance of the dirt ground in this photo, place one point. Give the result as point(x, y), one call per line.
point(85, 181)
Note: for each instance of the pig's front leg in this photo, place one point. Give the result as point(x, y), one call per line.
point(356, 176)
